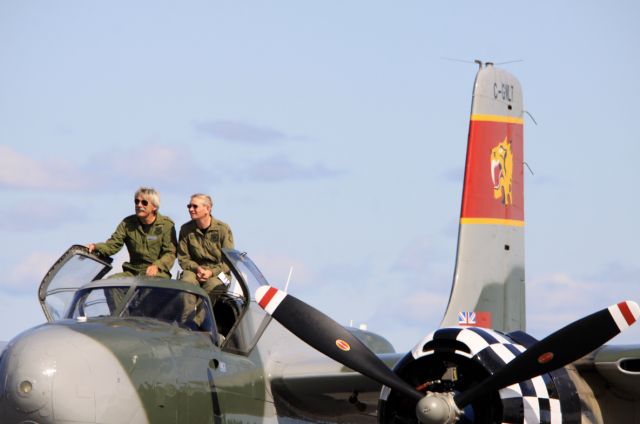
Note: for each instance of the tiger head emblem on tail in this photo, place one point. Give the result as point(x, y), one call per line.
point(502, 171)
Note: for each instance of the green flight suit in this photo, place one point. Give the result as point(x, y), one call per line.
point(147, 244)
point(203, 248)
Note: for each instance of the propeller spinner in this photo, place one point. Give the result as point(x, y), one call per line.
point(553, 352)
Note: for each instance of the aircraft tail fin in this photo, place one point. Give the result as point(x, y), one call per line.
point(488, 286)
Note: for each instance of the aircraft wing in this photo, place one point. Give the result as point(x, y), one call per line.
point(316, 388)
point(324, 375)
point(615, 366)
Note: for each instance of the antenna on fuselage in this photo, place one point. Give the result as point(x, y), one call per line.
point(286, 286)
point(480, 63)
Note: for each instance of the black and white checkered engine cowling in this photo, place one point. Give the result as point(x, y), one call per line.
point(471, 354)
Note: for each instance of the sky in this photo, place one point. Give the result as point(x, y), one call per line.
point(332, 137)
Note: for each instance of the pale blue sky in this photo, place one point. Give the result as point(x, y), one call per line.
point(332, 136)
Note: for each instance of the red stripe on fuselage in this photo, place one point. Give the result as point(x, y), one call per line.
point(267, 297)
point(626, 312)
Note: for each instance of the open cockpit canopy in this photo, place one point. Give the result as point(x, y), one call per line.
point(74, 288)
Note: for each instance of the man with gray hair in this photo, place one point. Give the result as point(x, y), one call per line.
point(200, 247)
point(149, 236)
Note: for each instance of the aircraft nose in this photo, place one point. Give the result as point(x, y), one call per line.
point(53, 374)
point(27, 373)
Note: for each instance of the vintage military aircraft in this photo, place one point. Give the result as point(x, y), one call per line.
point(125, 350)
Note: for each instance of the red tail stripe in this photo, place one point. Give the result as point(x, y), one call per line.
point(626, 313)
point(267, 297)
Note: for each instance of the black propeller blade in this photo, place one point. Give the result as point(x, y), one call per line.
point(557, 350)
point(327, 336)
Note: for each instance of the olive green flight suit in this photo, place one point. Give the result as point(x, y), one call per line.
point(198, 247)
point(153, 244)
point(203, 248)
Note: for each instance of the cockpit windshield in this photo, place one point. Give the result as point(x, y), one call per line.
point(164, 304)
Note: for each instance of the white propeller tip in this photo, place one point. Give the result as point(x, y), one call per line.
point(625, 314)
point(269, 298)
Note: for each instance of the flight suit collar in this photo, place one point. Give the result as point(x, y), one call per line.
point(211, 227)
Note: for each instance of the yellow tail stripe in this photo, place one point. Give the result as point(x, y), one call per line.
point(497, 118)
point(492, 221)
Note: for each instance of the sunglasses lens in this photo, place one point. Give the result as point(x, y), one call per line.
point(190, 205)
point(144, 202)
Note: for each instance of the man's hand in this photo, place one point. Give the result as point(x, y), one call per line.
point(152, 271)
point(91, 247)
point(203, 274)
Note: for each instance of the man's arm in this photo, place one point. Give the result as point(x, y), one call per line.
point(168, 249)
point(115, 242)
point(227, 239)
point(184, 258)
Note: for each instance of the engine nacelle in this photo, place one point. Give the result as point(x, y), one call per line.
point(455, 359)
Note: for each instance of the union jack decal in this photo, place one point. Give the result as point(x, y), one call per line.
point(466, 318)
point(474, 319)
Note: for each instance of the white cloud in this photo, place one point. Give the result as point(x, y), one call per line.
point(557, 299)
point(239, 131)
point(421, 305)
point(417, 256)
point(146, 164)
point(149, 164)
point(281, 168)
point(275, 268)
point(26, 275)
point(24, 172)
point(48, 215)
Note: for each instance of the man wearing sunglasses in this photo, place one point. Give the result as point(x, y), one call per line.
point(149, 236)
point(199, 248)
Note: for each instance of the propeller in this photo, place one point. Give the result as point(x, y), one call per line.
point(327, 336)
point(553, 352)
point(558, 349)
